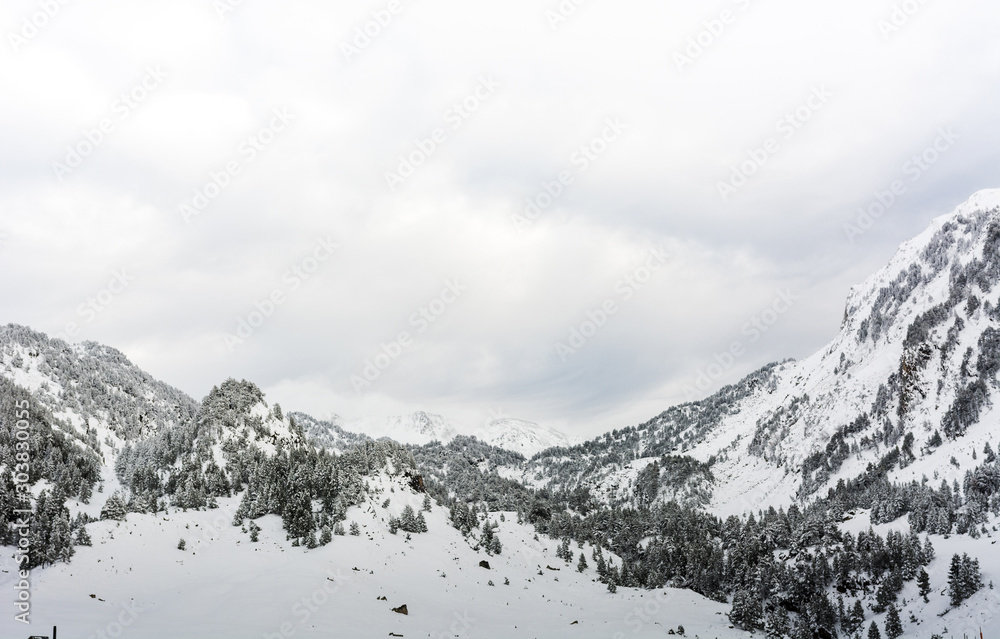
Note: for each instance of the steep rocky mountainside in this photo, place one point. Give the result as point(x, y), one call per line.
point(912, 370)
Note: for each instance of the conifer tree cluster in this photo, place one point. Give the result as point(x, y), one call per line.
point(964, 578)
point(408, 521)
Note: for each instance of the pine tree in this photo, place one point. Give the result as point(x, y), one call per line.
point(928, 554)
point(60, 547)
point(956, 586)
point(971, 578)
point(311, 540)
point(777, 623)
point(602, 566)
point(564, 552)
point(83, 537)
point(924, 584)
point(426, 507)
point(408, 519)
point(325, 536)
point(873, 632)
point(355, 528)
point(297, 516)
point(746, 611)
point(582, 564)
point(893, 626)
point(338, 529)
point(181, 545)
point(254, 531)
point(802, 629)
point(857, 616)
point(114, 508)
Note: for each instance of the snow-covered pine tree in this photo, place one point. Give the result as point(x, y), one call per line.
point(923, 584)
point(83, 537)
point(956, 585)
point(893, 626)
point(408, 519)
point(114, 507)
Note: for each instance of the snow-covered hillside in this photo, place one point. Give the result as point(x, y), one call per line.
point(224, 585)
point(834, 467)
point(93, 391)
point(913, 367)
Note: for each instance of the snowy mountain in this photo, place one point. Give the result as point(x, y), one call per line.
point(913, 369)
point(419, 428)
point(520, 436)
point(415, 428)
point(793, 500)
point(92, 391)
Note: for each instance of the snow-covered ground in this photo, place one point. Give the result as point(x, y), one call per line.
point(223, 585)
point(980, 611)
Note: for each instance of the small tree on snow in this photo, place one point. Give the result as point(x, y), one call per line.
point(82, 537)
point(924, 584)
point(893, 626)
point(114, 507)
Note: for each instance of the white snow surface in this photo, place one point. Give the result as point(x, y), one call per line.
point(517, 435)
point(224, 586)
point(522, 436)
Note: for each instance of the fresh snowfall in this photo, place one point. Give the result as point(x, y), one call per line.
point(854, 494)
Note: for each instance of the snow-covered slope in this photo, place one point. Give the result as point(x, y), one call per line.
point(518, 435)
point(224, 585)
point(913, 368)
point(415, 428)
point(521, 436)
point(92, 390)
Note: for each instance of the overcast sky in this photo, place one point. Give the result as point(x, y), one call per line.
point(168, 167)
